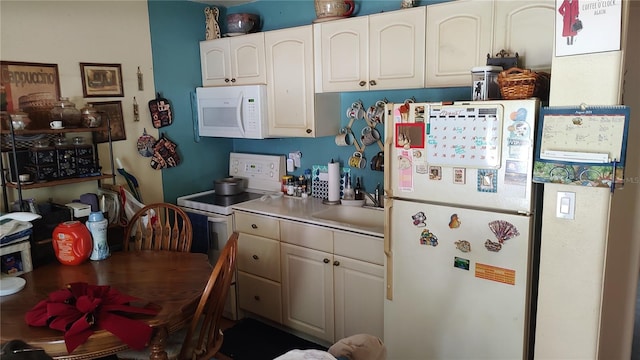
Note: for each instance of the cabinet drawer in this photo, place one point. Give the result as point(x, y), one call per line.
point(257, 225)
point(365, 248)
point(260, 296)
point(259, 256)
point(309, 236)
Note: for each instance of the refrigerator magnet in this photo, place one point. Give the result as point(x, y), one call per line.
point(454, 221)
point(488, 180)
point(428, 238)
point(435, 173)
point(503, 230)
point(459, 176)
point(463, 245)
point(419, 219)
point(461, 263)
point(492, 246)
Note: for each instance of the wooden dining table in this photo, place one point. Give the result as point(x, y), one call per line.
point(169, 281)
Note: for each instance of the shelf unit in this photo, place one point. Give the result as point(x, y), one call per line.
point(12, 149)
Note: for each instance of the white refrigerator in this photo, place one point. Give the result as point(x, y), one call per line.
point(460, 230)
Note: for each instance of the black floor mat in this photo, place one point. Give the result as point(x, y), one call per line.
point(250, 339)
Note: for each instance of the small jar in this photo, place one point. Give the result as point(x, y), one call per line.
point(66, 111)
point(90, 116)
point(285, 182)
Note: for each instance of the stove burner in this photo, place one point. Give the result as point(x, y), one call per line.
point(225, 200)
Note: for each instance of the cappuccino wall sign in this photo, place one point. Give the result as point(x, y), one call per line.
point(31, 87)
point(101, 80)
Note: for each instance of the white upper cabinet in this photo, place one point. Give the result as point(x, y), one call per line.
point(526, 27)
point(236, 60)
point(460, 35)
point(375, 52)
point(294, 108)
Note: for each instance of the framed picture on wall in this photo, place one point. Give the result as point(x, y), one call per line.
point(111, 111)
point(30, 87)
point(100, 80)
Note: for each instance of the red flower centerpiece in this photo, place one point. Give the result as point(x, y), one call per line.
point(81, 309)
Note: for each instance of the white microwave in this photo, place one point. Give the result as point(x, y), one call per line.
point(232, 111)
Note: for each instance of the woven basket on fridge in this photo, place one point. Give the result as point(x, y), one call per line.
point(517, 83)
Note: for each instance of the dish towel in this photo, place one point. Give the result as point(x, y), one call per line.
point(80, 309)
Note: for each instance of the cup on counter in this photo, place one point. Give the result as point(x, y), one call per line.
point(57, 124)
point(357, 160)
point(369, 135)
point(344, 138)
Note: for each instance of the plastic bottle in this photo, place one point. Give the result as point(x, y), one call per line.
point(71, 242)
point(97, 225)
point(348, 193)
point(307, 177)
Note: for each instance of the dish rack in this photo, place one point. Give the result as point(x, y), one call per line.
point(517, 83)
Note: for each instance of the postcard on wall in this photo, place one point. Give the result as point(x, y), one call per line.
point(587, 26)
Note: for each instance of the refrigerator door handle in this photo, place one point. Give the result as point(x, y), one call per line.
point(388, 147)
point(388, 204)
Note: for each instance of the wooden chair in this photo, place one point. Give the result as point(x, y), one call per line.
point(169, 229)
point(203, 338)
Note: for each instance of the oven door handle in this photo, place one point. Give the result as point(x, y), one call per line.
point(216, 220)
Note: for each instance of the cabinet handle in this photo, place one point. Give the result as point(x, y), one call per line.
point(372, 83)
point(362, 83)
point(336, 263)
point(255, 257)
point(309, 131)
point(254, 226)
point(233, 80)
point(256, 297)
point(326, 261)
point(226, 80)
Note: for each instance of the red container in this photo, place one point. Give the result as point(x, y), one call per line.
point(72, 242)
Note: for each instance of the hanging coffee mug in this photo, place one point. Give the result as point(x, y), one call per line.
point(357, 160)
point(344, 137)
point(369, 135)
point(377, 162)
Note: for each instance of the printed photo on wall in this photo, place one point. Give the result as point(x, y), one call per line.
point(587, 26)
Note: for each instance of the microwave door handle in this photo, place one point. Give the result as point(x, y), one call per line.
point(239, 113)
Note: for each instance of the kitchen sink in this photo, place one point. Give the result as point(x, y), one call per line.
point(367, 218)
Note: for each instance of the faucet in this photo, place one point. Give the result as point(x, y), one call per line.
point(376, 199)
point(373, 199)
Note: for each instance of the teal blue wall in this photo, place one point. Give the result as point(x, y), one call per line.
point(176, 29)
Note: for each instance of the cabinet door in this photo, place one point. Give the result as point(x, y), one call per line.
point(397, 49)
point(214, 61)
point(515, 21)
point(343, 54)
point(359, 297)
point(290, 89)
point(458, 38)
point(247, 59)
point(307, 291)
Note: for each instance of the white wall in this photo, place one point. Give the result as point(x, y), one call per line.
point(589, 265)
point(69, 32)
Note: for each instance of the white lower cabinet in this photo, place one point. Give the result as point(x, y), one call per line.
point(332, 282)
point(307, 291)
point(323, 282)
point(358, 289)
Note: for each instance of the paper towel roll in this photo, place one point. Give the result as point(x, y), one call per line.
point(334, 181)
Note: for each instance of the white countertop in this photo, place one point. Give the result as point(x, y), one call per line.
point(299, 209)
